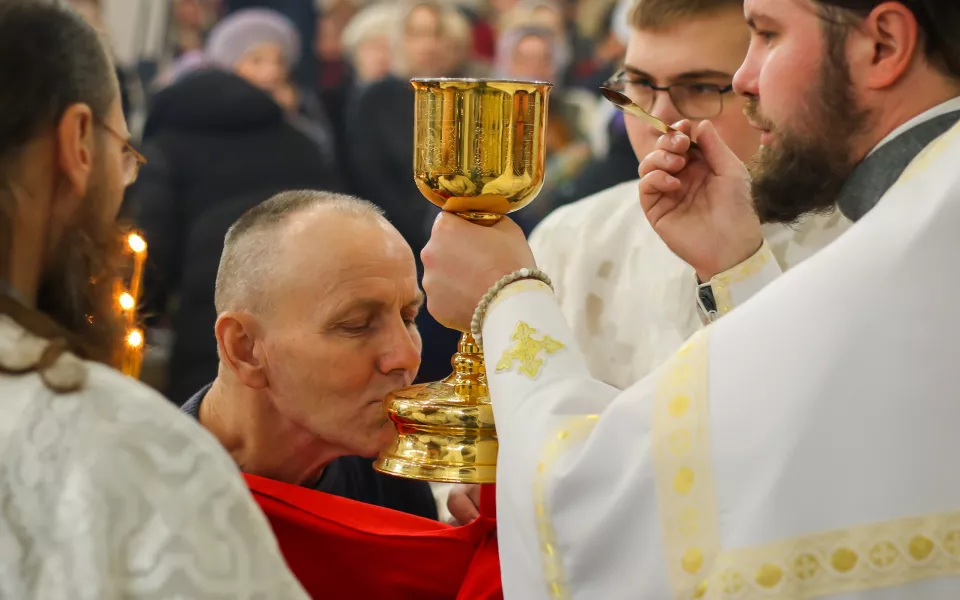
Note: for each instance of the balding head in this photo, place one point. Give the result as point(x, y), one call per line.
point(252, 250)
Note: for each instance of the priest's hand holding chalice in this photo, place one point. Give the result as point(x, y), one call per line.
point(479, 155)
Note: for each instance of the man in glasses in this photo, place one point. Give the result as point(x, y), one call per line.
point(105, 490)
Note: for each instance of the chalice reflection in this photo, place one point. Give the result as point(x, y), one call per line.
point(479, 153)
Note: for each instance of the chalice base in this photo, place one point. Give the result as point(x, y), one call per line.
point(445, 429)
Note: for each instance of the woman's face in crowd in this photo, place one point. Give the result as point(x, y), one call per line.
point(372, 58)
point(424, 44)
point(265, 66)
point(532, 59)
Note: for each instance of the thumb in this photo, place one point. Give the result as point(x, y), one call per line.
point(718, 155)
point(448, 222)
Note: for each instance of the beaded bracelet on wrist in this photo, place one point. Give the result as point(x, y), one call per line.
point(476, 324)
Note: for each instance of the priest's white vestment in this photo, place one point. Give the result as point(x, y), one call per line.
point(803, 446)
point(108, 492)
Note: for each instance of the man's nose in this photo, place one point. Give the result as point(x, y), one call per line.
point(664, 108)
point(746, 79)
point(401, 351)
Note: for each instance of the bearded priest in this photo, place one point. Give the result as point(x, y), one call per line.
point(796, 447)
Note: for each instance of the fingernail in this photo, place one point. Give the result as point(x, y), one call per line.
point(672, 180)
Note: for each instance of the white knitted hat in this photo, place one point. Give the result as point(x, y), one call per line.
point(245, 29)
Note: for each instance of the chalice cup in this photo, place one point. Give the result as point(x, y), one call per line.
point(479, 153)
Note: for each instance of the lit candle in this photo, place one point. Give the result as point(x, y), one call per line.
point(128, 299)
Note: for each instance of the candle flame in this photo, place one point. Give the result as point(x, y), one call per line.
point(126, 301)
point(135, 338)
point(136, 243)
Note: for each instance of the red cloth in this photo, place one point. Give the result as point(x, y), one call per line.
point(343, 549)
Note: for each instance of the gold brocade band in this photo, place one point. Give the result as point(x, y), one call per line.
point(574, 430)
point(684, 477)
point(847, 560)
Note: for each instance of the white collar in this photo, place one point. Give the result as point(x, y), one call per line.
point(950, 105)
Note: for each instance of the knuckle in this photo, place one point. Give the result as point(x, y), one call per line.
point(427, 255)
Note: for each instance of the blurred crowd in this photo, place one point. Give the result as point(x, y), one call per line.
point(252, 97)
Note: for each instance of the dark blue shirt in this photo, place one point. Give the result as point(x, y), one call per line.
point(355, 478)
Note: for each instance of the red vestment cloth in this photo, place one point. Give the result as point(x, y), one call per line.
point(342, 549)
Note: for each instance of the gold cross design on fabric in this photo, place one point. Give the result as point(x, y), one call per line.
point(527, 351)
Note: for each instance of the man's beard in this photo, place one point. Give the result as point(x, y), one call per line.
point(804, 173)
point(78, 287)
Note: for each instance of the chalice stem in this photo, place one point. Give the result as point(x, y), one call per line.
point(469, 376)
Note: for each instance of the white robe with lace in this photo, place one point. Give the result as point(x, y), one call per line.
point(803, 446)
point(108, 492)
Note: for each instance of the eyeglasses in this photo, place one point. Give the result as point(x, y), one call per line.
point(132, 160)
point(692, 100)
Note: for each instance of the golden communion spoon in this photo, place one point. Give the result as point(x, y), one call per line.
point(627, 106)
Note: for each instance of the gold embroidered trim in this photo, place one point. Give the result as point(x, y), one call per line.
point(575, 430)
point(842, 561)
point(527, 351)
point(721, 283)
point(684, 477)
point(929, 155)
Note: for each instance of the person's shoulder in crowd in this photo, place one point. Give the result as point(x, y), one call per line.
point(792, 244)
point(584, 227)
point(112, 473)
point(211, 100)
point(622, 291)
point(594, 210)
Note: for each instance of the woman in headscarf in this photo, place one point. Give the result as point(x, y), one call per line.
point(263, 47)
point(217, 143)
point(532, 52)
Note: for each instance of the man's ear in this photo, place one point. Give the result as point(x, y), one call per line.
point(75, 147)
point(887, 45)
point(238, 343)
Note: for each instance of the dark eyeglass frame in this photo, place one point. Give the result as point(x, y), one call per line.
point(133, 170)
point(621, 79)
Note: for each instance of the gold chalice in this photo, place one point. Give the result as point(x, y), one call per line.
point(479, 152)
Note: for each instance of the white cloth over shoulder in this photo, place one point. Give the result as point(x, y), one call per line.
point(801, 447)
point(108, 492)
point(630, 302)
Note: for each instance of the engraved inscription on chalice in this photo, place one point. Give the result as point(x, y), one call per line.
point(478, 136)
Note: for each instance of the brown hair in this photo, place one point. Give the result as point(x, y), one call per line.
point(661, 14)
point(50, 59)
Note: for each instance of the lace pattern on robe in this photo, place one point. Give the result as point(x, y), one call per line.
point(108, 492)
